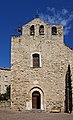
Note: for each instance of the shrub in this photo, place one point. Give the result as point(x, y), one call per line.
point(6, 95)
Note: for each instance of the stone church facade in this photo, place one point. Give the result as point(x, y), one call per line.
point(39, 61)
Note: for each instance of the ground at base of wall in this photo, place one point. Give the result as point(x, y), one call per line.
point(11, 115)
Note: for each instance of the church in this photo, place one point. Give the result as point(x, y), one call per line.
point(39, 61)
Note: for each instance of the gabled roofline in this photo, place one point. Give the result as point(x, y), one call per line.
point(33, 20)
point(42, 21)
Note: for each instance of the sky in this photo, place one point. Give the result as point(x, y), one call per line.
point(15, 13)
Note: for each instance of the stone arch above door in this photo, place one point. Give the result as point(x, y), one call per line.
point(34, 90)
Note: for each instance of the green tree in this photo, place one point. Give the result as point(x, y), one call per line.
point(6, 95)
point(68, 91)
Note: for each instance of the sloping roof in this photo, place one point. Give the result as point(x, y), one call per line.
point(36, 20)
point(8, 69)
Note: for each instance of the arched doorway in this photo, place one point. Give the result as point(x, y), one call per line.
point(36, 100)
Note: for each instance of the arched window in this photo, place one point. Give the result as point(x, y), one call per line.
point(54, 31)
point(32, 30)
point(41, 30)
point(36, 60)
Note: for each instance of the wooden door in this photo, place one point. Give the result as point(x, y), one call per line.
point(36, 100)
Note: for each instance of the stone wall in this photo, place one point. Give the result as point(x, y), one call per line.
point(49, 78)
point(5, 104)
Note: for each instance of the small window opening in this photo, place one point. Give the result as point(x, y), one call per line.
point(41, 30)
point(32, 31)
point(6, 78)
point(54, 31)
point(36, 62)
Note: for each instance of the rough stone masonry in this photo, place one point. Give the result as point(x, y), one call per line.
point(39, 60)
